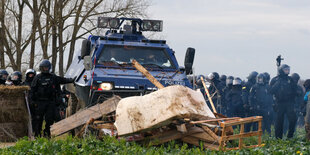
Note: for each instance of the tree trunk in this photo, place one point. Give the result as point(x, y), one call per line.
point(54, 35)
point(74, 34)
point(60, 31)
point(47, 29)
point(33, 33)
point(19, 51)
point(2, 63)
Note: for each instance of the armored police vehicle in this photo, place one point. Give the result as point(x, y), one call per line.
point(103, 67)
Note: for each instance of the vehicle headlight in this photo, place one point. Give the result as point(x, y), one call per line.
point(106, 86)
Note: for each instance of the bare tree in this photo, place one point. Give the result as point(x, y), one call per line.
point(86, 13)
point(13, 39)
point(56, 25)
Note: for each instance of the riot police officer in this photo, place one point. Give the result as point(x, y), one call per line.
point(284, 89)
point(216, 90)
point(227, 89)
point(260, 100)
point(43, 96)
point(30, 74)
point(233, 97)
point(3, 76)
point(16, 78)
point(223, 79)
point(267, 78)
point(299, 100)
point(245, 97)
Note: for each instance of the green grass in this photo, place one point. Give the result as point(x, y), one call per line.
point(109, 145)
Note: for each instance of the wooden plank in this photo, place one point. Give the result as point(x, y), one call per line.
point(83, 116)
point(260, 130)
point(211, 133)
point(166, 137)
point(241, 120)
point(205, 137)
point(147, 74)
point(240, 138)
point(182, 128)
point(213, 120)
point(208, 94)
point(243, 135)
point(170, 135)
point(221, 141)
point(105, 126)
point(196, 141)
point(82, 131)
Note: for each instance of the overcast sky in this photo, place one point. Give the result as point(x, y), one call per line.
point(235, 37)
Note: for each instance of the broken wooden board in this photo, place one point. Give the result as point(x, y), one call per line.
point(170, 135)
point(159, 108)
point(83, 116)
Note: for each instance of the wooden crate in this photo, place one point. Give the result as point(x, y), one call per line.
point(241, 122)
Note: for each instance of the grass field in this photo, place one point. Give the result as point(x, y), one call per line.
point(91, 145)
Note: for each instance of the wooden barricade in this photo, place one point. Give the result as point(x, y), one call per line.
point(241, 122)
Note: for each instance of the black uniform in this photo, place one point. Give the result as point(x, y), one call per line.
point(234, 100)
point(245, 98)
point(299, 100)
point(43, 94)
point(284, 89)
point(261, 102)
point(227, 89)
point(216, 91)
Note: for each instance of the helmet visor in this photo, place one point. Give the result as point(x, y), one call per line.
point(286, 70)
point(15, 78)
point(4, 77)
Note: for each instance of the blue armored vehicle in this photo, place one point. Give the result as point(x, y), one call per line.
point(103, 68)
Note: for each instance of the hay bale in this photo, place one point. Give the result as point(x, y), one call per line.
point(10, 132)
point(12, 90)
point(14, 116)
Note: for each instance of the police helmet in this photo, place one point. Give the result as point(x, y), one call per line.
point(237, 81)
point(267, 77)
point(295, 77)
point(252, 75)
point(45, 66)
point(284, 69)
point(30, 71)
point(229, 80)
point(260, 79)
point(223, 77)
point(198, 80)
point(3, 74)
point(213, 76)
point(16, 77)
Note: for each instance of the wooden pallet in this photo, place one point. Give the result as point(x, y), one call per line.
point(212, 134)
